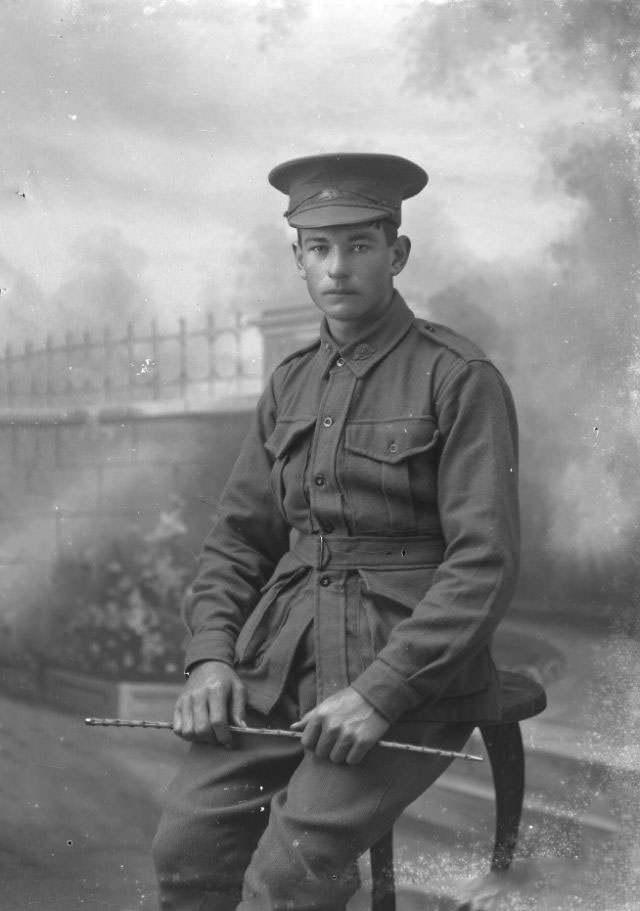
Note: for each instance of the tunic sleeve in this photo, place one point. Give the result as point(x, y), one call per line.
point(472, 587)
point(239, 554)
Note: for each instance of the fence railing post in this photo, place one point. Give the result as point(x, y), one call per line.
point(108, 354)
point(68, 348)
point(48, 369)
point(85, 368)
point(155, 360)
point(182, 342)
point(131, 370)
point(238, 342)
point(86, 351)
point(8, 356)
point(30, 375)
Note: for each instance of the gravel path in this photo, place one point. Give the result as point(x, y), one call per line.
point(79, 810)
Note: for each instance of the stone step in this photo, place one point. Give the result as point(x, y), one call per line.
point(553, 773)
point(577, 818)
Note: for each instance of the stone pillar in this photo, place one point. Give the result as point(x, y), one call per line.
point(285, 329)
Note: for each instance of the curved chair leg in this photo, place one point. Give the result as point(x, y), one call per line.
point(506, 754)
point(383, 896)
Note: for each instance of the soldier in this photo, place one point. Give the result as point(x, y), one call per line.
point(364, 550)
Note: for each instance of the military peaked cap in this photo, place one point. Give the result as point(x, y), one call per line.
point(346, 188)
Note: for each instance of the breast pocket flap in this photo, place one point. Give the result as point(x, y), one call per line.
point(286, 434)
point(392, 441)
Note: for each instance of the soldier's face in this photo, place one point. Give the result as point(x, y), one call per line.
point(349, 273)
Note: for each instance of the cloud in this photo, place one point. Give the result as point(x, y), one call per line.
point(561, 317)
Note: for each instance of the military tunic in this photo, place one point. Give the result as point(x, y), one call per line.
point(372, 519)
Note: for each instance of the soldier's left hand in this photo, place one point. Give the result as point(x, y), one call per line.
point(342, 728)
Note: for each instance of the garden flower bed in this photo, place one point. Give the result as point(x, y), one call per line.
point(115, 634)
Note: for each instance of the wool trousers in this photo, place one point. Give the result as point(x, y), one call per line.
point(268, 826)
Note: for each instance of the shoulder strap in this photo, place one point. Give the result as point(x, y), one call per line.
point(298, 352)
point(453, 341)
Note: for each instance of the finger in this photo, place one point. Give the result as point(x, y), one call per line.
point(358, 751)
point(326, 742)
point(302, 722)
point(311, 733)
point(218, 719)
point(185, 712)
point(238, 704)
point(341, 749)
point(177, 717)
point(201, 720)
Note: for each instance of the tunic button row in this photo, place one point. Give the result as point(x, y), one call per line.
point(319, 480)
point(327, 422)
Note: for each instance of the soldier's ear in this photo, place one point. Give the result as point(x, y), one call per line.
point(400, 250)
point(297, 255)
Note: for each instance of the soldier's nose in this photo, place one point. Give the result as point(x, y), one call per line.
point(337, 264)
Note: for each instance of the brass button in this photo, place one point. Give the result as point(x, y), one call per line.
point(327, 422)
point(325, 580)
point(319, 480)
point(340, 362)
point(393, 447)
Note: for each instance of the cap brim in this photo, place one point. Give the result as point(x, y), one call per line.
point(328, 216)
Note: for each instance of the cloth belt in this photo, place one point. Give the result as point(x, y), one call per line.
point(395, 552)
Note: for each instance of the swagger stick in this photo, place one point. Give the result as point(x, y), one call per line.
point(276, 732)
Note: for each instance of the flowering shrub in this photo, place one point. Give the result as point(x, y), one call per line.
point(118, 615)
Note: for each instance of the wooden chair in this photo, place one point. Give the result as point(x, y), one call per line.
point(521, 698)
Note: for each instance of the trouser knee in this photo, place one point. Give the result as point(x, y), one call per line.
point(192, 861)
point(297, 866)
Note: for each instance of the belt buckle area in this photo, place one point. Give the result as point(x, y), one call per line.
point(323, 552)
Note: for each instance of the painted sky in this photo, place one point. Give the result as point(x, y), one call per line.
point(138, 135)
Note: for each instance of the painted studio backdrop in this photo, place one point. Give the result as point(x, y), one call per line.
point(146, 289)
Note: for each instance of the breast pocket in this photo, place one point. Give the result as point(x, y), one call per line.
point(390, 470)
point(287, 446)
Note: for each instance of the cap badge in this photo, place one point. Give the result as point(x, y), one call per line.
point(330, 193)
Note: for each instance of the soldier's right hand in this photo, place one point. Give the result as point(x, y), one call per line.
point(212, 696)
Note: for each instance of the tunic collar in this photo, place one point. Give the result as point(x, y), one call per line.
point(374, 343)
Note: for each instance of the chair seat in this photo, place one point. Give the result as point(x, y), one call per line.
point(520, 696)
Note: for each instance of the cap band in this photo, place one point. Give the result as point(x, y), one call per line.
point(337, 197)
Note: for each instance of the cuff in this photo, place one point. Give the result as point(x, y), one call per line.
point(211, 645)
point(386, 690)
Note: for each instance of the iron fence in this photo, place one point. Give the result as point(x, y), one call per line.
point(207, 361)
